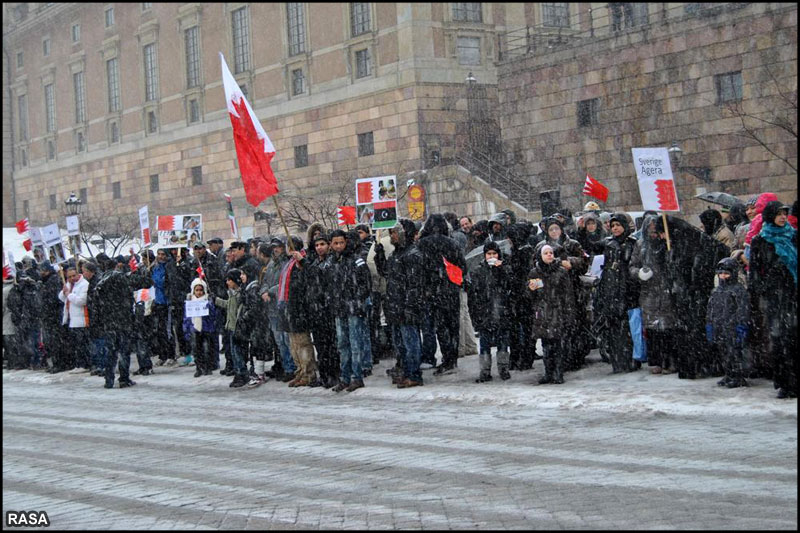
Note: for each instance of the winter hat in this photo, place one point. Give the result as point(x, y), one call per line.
point(45, 266)
point(711, 220)
point(491, 245)
point(321, 237)
point(549, 221)
point(234, 275)
point(727, 265)
point(591, 206)
point(199, 281)
point(276, 241)
point(620, 218)
point(771, 211)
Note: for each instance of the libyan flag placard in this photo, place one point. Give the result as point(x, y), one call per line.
point(385, 215)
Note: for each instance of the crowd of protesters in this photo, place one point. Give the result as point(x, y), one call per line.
point(719, 300)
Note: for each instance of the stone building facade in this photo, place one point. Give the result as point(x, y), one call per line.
point(123, 104)
point(653, 76)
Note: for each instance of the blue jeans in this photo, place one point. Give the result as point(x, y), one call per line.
point(98, 351)
point(238, 353)
point(29, 347)
point(409, 348)
point(428, 338)
point(350, 335)
point(282, 340)
point(499, 338)
point(117, 345)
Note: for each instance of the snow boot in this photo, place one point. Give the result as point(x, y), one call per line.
point(502, 365)
point(485, 360)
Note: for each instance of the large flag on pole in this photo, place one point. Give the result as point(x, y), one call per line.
point(594, 188)
point(254, 150)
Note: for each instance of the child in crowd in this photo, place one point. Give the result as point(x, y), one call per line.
point(726, 322)
point(201, 331)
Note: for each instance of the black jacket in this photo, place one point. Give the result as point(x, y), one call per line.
point(214, 279)
point(489, 296)
point(438, 290)
point(555, 307)
point(728, 307)
point(296, 315)
point(115, 302)
point(352, 283)
point(771, 282)
point(52, 309)
point(249, 265)
point(617, 291)
point(404, 272)
point(319, 285)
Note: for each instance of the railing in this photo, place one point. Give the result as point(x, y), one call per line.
point(561, 26)
point(496, 175)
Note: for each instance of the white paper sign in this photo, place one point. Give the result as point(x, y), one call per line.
point(144, 223)
point(656, 184)
point(597, 265)
point(36, 236)
point(51, 234)
point(73, 225)
point(195, 308)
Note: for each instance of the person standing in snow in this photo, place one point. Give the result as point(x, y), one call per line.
point(235, 328)
point(726, 324)
point(318, 299)
point(617, 294)
point(54, 335)
point(75, 314)
point(773, 280)
point(554, 308)
point(522, 343)
point(489, 291)
point(201, 331)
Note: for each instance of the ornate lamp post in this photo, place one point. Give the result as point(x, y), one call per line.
point(703, 173)
point(73, 208)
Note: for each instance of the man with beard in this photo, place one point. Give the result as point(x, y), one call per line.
point(318, 299)
point(442, 294)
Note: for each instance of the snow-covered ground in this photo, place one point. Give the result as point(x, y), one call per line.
point(592, 388)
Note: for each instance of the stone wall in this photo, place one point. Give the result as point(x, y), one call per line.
point(656, 85)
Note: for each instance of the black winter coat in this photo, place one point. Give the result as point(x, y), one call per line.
point(728, 307)
point(617, 291)
point(52, 309)
point(555, 307)
point(404, 272)
point(352, 284)
point(771, 282)
point(296, 315)
point(249, 265)
point(438, 290)
point(115, 302)
point(181, 281)
point(24, 305)
point(214, 279)
point(489, 297)
point(319, 286)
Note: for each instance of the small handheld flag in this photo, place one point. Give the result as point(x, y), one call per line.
point(454, 273)
point(594, 188)
point(346, 214)
point(231, 218)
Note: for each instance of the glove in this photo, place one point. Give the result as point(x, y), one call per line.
point(709, 333)
point(741, 334)
point(645, 273)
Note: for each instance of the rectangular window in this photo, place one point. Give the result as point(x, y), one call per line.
point(194, 111)
point(297, 28)
point(241, 41)
point(365, 144)
point(147, 5)
point(556, 15)
point(587, 112)
point(153, 182)
point(150, 73)
point(363, 63)
point(80, 142)
point(109, 17)
point(298, 82)
point(76, 33)
point(468, 50)
point(467, 12)
point(116, 189)
point(22, 105)
point(359, 18)
point(46, 47)
point(114, 133)
point(80, 97)
point(20, 59)
point(24, 157)
point(83, 194)
point(301, 156)
point(50, 107)
point(112, 73)
point(729, 87)
point(53, 204)
point(627, 15)
point(192, 58)
point(51, 150)
point(152, 122)
point(197, 175)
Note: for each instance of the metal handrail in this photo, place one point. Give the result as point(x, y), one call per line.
point(496, 175)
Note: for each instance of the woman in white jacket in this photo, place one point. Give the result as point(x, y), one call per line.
point(76, 315)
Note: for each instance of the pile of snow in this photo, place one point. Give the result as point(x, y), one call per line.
point(591, 389)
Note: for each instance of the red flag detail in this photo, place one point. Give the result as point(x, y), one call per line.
point(133, 264)
point(364, 191)
point(667, 198)
point(453, 272)
point(166, 223)
point(22, 226)
point(346, 214)
point(594, 188)
point(6, 271)
point(28, 244)
point(200, 271)
point(254, 163)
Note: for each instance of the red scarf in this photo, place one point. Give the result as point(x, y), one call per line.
point(283, 281)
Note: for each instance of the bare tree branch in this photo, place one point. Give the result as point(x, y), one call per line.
point(109, 229)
